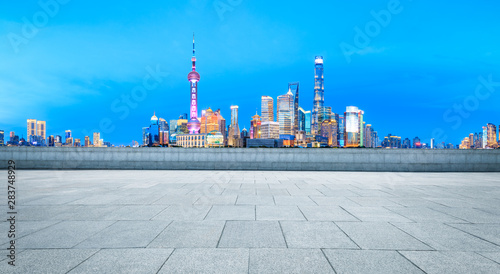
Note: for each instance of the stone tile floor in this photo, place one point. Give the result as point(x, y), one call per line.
point(253, 222)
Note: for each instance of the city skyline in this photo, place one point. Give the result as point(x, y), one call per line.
point(403, 91)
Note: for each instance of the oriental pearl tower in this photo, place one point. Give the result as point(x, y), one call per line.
point(193, 77)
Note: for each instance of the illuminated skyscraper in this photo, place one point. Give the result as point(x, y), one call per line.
point(417, 143)
point(294, 89)
point(341, 136)
point(267, 109)
point(212, 121)
point(234, 129)
point(154, 131)
point(50, 143)
point(87, 141)
point(361, 128)
point(270, 130)
point(67, 136)
point(2, 142)
point(255, 127)
point(492, 136)
point(163, 132)
point(97, 138)
point(305, 120)
point(285, 113)
point(41, 130)
point(325, 113)
point(194, 77)
point(329, 131)
point(234, 120)
point(485, 137)
point(352, 127)
point(368, 136)
point(319, 96)
point(31, 130)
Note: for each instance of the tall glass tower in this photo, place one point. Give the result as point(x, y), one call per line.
point(267, 109)
point(194, 77)
point(319, 90)
point(285, 113)
point(294, 88)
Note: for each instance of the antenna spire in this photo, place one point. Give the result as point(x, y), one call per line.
point(193, 44)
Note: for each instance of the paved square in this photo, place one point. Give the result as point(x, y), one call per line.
point(100, 221)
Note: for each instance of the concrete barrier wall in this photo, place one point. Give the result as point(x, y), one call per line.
point(253, 159)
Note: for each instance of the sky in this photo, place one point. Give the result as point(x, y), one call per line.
point(416, 68)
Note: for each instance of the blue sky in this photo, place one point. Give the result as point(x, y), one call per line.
point(411, 76)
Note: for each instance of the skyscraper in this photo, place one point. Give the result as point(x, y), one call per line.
point(324, 113)
point(67, 136)
point(41, 130)
point(270, 130)
point(492, 136)
point(194, 77)
point(87, 141)
point(234, 120)
point(285, 113)
point(255, 127)
point(212, 121)
point(50, 143)
point(368, 136)
point(294, 89)
point(154, 131)
point(267, 109)
point(329, 131)
point(234, 130)
point(361, 128)
point(2, 138)
point(97, 138)
point(341, 137)
point(319, 90)
point(164, 131)
point(31, 130)
point(352, 127)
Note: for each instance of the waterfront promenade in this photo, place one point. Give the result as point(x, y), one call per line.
point(160, 221)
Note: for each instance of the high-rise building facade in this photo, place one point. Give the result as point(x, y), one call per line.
point(492, 136)
point(67, 136)
point(325, 113)
point(406, 143)
point(255, 127)
point(164, 132)
point(417, 143)
point(285, 113)
point(50, 142)
point(270, 130)
point(351, 135)
point(341, 135)
point(154, 132)
point(368, 136)
point(2, 142)
point(234, 120)
point(361, 128)
point(87, 141)
point(319, 96)
point(294, 89)
point(31, 130)
point(212, 121)
point(193, 77)
point(97, 138)
point(329, 130)
point(41, 130)
point(267, 109)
